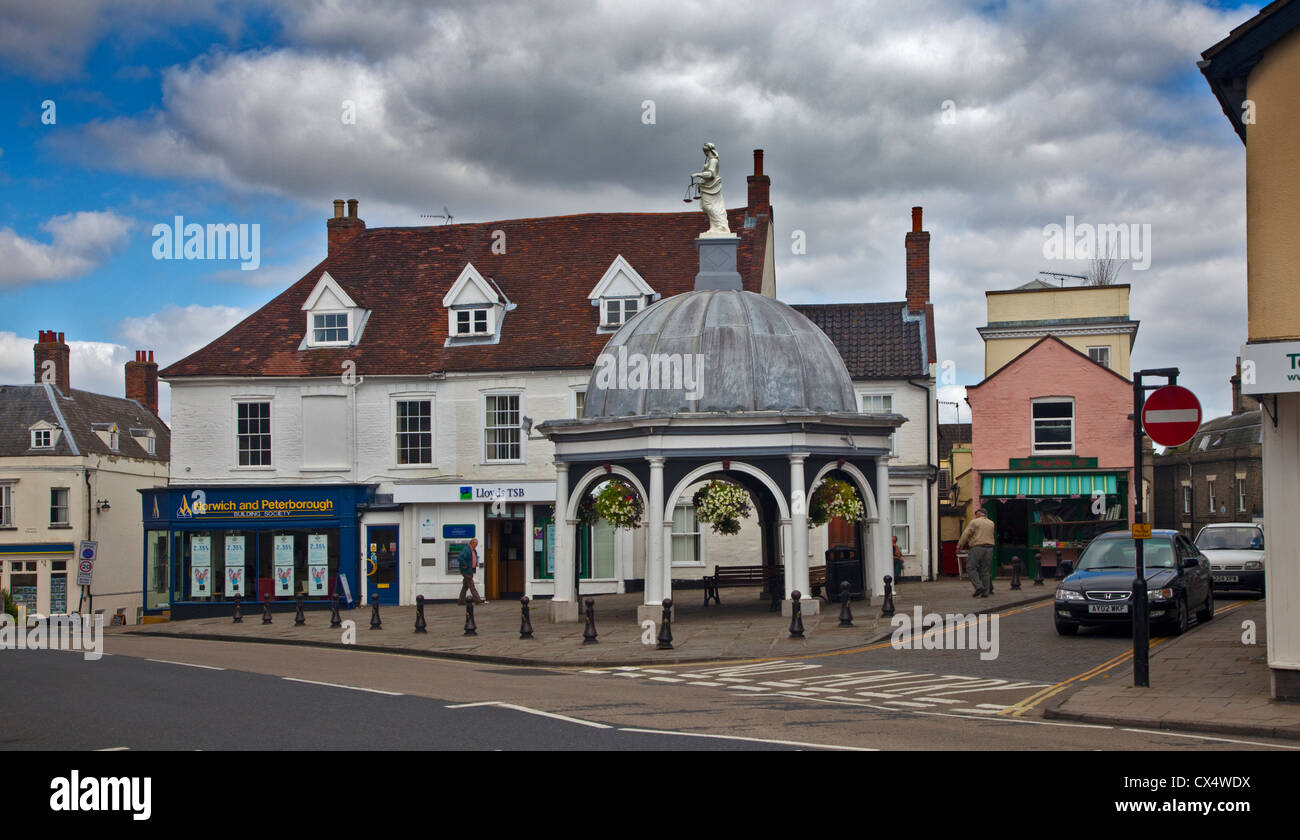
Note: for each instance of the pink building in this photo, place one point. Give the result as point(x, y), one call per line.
point(1053, 451)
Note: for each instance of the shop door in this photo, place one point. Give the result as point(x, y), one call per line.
point(510, 558)
point(491, 571)
point(381, 570)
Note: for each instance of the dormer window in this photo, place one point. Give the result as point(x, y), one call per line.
point(621, 293)
point(620, 310)
point(42, 438)
point(109, 433)
point(475, 307)
point(473, 321)
point(334, 318)
point(147, 440)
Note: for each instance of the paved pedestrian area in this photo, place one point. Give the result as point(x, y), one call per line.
point(1208, 680)
point(742, 627)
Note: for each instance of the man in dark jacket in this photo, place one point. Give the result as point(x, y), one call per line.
point(468, 561)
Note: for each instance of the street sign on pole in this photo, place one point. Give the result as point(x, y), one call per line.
point(1171, 416)
point(86, 561)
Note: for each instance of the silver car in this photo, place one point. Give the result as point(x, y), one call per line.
point(1236, 552)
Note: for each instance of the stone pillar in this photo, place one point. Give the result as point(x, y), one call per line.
point(655, 555)
point(796, 565)
point(564, 603)
point(882, 555)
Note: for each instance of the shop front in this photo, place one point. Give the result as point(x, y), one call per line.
point(1052, 506)
point(205, 546)
point(36, 576)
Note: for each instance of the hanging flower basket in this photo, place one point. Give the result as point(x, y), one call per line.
point(620, 505)
point(587, 511)
point(722, 504)
point(834, 498)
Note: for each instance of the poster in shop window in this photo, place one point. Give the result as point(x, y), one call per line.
point(234, 566)
point(318, 564)
point(200, 567)
point(284, 565)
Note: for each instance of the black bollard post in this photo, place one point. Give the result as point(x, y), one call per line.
point(1015, 572)
point(266, 610)
point(239, 618)
point(299, 618)
point(887, 608)
point(1059, 568)
point(375, 623)
point(796, 616)
point(589, 632)
point(525, 619)
point(666, 626)
point(471, 627)
point(1038, 568)
point(335, 621)
point(846, 614)
point(421, 626)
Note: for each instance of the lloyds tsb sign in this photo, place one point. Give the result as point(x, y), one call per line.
point(1270, 367)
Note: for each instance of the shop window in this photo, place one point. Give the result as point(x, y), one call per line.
point(1053, 425)
point(415, 431)
point(58, 594)
point(6, 506)
point(58, 507)
point(159, 566)
point(900, 512)
point(23, 590)
point(289, 562)
point(686, 537)
point(543, 542)
point(253, 434)
point(501, 428)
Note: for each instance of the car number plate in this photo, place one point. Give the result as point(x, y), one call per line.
point(1108, 608)
point(1227, 578)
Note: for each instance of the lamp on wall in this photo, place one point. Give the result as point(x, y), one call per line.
point(102, 505)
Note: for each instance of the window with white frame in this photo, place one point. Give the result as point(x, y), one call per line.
point(686, 536)
point(253, 434)
point(415, 431)
point(1187, 500)
point(880, 404)
point(1053, 425)
point(900, 511)
point(58, 506)
point(579, 401)
point(114, 438)
point(6, 506)
point(501, 430)
point(329, 328)
point(618, 311)
point(1210, 492)
point(151, 445)
point(1100, 355)
point(472, 321)
point(1241, 494)
point(42, 438)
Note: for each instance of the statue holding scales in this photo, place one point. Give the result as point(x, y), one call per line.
point(707, 186)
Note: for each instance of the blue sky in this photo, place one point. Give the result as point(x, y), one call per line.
point(224, 111)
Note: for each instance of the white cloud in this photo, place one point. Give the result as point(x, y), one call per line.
point(79, 243)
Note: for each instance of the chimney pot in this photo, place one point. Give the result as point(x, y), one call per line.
point(760, 189)
point(916, 220)
point(758, 161)
point(339, 231)
point(338, 208)
point(352, 208)
point(917, 243)
point(50, 348)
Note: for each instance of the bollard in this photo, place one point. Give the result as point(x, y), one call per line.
point(796, 616)
point(1059, 567)
point(471, 627)
point(421, 626)
point(239, 618)
point(375, 623)
point(846, 614)
point(299, 618)
point(1038, 568)
point(666, 626)
point(1015, 572)
point(266, 610)
point(335, 621)
point(525, 619)
point(887, 608)
point(589, 632)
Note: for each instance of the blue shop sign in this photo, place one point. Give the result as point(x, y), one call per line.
point(236, 505)
point(457, 532)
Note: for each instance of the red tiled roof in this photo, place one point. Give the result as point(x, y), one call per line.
point(549, 267)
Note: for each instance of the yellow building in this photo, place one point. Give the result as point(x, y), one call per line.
point(1255, 73)
point(955, 490)
point(1092, 319)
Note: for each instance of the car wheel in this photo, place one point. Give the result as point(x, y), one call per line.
point(1207, 613)
point(1066, 628)
point(1179, 626)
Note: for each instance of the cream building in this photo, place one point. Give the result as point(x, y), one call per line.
point(1092, 319)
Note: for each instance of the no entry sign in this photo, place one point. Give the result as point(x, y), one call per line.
point(1171, 415)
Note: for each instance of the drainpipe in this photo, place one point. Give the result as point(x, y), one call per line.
point(932, 535)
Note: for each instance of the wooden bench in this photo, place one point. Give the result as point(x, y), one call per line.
point(773, 577)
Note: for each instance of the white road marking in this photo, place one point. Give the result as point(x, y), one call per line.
point(186, 664)
point(710, 684)
point(752, 740)
point(667, 679)
point(501, 705)
point(113, 749)
point(349, 687)
point(907, 703)
point(747, 688)
point(1211, 738)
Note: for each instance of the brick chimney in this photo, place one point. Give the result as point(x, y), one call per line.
point(760, 186)
point(918, 265)
point(142, 380)
point(50, 348)
point(342, 230)
point(1241, 403)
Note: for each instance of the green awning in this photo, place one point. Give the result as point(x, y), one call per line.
point(1050, 484)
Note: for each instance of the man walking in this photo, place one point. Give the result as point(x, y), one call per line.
point(979, 535)
point(468, 561)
